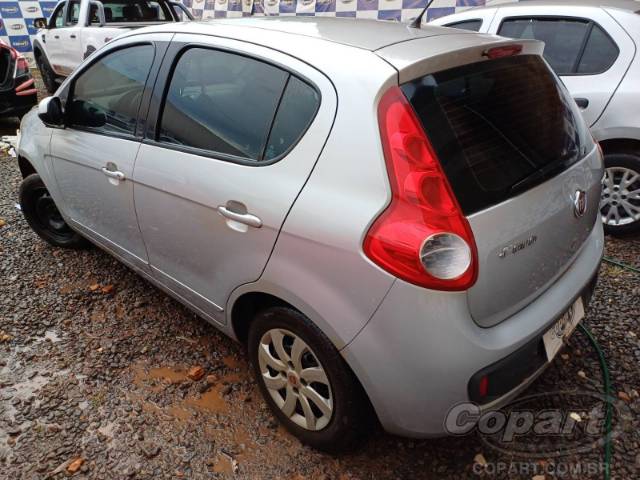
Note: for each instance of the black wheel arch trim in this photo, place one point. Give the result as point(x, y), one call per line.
point(26, 167)
point(37, 47)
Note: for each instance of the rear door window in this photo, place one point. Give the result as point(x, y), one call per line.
point(573, 46)
point(600, 53)
point(472, 25)
point(563, 38)
point(499, 127)
point(229, 105)
point(298, 107)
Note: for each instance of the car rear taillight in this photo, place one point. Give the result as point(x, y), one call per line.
point(504, 51)
point(422, 236)
point(22, 66)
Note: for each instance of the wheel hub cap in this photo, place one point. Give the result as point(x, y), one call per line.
point(295, 379)
point(620, 202)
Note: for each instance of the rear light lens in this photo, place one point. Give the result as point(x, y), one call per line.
point(22, 66)
point(445, 256)
point(483, 386)
point(422, 237)
point(504, 51)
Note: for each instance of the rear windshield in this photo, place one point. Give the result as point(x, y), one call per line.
point(499, 127)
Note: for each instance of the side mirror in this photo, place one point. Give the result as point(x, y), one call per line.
point(50, 112)
point(97, 15)
point(40, 23)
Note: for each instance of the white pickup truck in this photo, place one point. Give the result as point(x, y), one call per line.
point(77, 28)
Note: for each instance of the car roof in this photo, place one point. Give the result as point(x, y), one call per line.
point(630, 5)
point(365, 34)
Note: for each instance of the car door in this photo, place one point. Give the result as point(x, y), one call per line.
point(70, 36)
point(53, 38)
point(236, 133)
point(93, 157)
point(585, 46)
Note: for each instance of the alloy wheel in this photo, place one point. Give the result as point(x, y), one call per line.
point(620, 200)
point(295, 379)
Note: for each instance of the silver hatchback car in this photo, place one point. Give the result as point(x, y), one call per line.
point(392, 220)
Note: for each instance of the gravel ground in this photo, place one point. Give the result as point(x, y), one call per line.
point(93, 383)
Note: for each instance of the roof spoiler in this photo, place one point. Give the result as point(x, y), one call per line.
point(421, 56)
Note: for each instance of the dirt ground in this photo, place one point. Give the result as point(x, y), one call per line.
point(93, 383)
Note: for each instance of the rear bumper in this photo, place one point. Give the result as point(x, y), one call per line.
point(418, 353)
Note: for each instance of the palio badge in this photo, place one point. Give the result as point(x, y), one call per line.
point(516, 247)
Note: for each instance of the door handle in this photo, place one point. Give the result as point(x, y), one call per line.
point(582, 102)
point(56, 36)
point(113, 174)
point(245, 218)
point(72, 36)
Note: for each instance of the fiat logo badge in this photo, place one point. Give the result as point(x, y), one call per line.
point(580, 203)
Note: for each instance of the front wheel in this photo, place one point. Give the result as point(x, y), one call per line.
point(620, 201)
point(305, 381)
point(43, 216)
point(47, 74)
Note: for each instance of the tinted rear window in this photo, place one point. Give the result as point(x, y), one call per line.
point(230, 105)
point(297, 108)
point(222, 102)
point(563, 38)
point(565, 48)
point(499, 127)
point(599, 53)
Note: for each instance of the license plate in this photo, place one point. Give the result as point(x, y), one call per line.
point(562, 329)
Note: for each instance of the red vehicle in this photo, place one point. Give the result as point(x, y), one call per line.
point(17, 87)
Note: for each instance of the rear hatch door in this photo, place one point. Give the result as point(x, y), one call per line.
point(523, 167)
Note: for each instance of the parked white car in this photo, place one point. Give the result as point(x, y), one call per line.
point(77, 28)
point(592, 45)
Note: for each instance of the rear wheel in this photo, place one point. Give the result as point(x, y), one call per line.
point(43, 216)
point(47, 73)
point(620, 201)
point(305, 381)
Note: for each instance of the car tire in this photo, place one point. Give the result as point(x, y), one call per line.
point(620, 209)
point(43, 216)
point(350, 411)
point(46, 72)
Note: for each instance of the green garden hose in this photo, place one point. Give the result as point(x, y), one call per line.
point(618, 263)
point(606, 378)
point(608, 399)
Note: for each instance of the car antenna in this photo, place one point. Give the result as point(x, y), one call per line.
point(418, 20)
